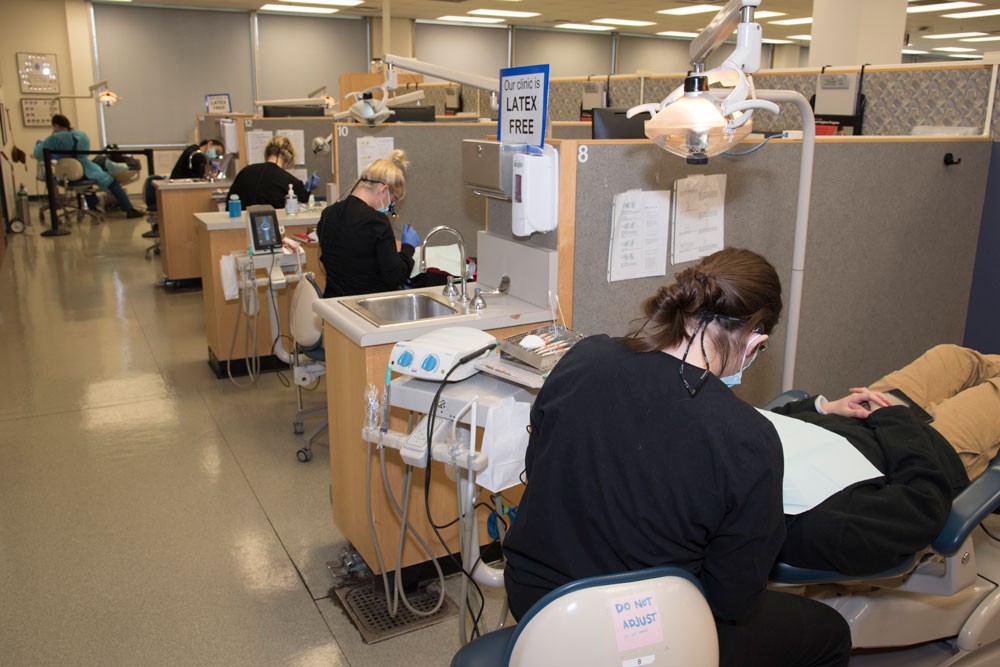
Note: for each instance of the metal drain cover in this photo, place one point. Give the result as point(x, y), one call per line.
point(367, 609)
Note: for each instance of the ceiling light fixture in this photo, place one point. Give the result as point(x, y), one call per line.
point(625, 22)
point(693, 9)
point(337, 3)
point(298, 9)
point(503, 12)
point(954, 49)
point(469, 19)
point(955, 35)
point(914, 52)
point(973, 15)
point(801, 21)
point(940, 7)
point(584, 26)
point(802, 37)
point(676, 33)
point(981, 39)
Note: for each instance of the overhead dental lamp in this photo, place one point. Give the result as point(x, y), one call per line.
point(695, 123)
point(368, 110)
point(105, 96)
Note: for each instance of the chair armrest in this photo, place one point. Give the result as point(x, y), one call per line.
point(969, 509)
point(784, 398)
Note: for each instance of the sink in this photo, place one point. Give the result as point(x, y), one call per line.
point(395, 308)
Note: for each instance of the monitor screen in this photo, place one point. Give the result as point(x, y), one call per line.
point(611, 123)
point(277, 111)
point(422, 114)
point(264, 231)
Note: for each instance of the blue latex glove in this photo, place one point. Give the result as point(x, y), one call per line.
point(312, 182)
point(410, 236)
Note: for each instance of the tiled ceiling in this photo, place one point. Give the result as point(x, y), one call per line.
point(554, 12)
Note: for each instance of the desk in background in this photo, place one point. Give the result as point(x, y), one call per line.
point(177, 202)
point(219, 235)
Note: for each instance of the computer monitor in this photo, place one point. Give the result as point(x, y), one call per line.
point(279, 111)
point(421, 114)
point(610, 123)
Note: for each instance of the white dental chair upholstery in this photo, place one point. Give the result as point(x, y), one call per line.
point(73, 189)
point(949, 592)
point(308, 357)
point(655, 616)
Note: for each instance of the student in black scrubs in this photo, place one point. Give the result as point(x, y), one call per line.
point(267, 182)
point(640, 455)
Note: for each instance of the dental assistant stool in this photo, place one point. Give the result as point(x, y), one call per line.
point(655, 616)
point(308, 357)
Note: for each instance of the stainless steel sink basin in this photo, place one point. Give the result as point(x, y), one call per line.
point(395, 308)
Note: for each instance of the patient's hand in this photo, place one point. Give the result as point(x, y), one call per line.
point(860, 403)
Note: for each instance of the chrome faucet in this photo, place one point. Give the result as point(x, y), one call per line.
point(464, 296)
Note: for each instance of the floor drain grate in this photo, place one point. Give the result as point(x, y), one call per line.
point(368, 611)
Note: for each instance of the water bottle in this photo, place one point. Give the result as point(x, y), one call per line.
point(291, 202)
point(235, 206)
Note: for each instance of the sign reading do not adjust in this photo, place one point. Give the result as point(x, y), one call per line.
point(524, 99)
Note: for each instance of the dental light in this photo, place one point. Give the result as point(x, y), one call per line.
point(441, 72)
point(692, 121)
point(105, 97)
point(316, 98)
point(368, 109)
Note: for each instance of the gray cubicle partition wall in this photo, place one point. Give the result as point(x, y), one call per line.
point(319, 126)
point(891, 246)
point(434, 191)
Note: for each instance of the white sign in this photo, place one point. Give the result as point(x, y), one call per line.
point(524, 98)
point(218, 103)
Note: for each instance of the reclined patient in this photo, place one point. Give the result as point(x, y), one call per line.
point(875, 524)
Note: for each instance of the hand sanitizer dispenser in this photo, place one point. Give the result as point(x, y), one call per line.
point(535, 193)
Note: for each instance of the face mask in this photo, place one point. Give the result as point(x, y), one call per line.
point(387, 207)
point(736, 378)
point(211, 154)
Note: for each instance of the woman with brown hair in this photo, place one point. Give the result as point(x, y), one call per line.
point(640, 456)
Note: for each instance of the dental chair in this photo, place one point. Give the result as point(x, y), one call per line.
point(73, 190)
point(655, 616)
point(947, 593)
point(308, 357)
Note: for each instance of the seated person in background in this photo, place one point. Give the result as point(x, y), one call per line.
point(357, 245)
point(267, 182)
point(65, 138)
point(194, 161)
point(876, 524)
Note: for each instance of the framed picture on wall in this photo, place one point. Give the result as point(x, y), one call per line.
point(38, 111)
point(38, 73)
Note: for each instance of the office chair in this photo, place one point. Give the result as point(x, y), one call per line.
point(308, 357)
point(149, 197)
point(656, 616)
point(73, 189)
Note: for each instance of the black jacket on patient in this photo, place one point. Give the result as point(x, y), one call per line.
point(876, 524)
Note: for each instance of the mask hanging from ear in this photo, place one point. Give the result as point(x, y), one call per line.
point(736, 378)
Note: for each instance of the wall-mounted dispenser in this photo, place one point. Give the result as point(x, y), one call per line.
point(535, 194)
point(487, 167)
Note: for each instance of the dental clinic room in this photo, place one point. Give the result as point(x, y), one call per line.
point(299, 301)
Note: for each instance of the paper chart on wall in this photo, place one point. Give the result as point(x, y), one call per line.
point(640, 227)
point(256, 141)
point(699, 216)
point(373, 148)
point(298, 139)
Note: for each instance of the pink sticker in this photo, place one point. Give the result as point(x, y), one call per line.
point(637, 621)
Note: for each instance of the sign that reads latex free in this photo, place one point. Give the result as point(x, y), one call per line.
point(524, 98)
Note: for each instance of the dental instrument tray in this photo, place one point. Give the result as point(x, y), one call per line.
point(541, 348)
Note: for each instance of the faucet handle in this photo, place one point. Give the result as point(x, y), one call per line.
point(478, 302)
point(450, 290)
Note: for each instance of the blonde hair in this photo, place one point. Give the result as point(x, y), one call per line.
point(281, 147)
point(389, 171)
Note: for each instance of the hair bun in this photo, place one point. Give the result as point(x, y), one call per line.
point(398, 158)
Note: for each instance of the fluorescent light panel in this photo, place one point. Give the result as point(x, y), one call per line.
point(802, 21)
point(584, 26)
point(914, 52)
point(802, 37)
point(777, 41)
point(298, 9)
point(337, 3)
point(624, 22)
point(469, 19)
point(955, 35)
point(503, 12)
point(675, 33)
point(693, 9)
point(967, 56)
point(954, 49)
point(981, 39)
point(767, 15)
point(973, 15)
point(940, 7)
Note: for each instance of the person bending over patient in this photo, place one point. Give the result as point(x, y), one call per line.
point(640, 455)
point(877, 524)
point(267, 182)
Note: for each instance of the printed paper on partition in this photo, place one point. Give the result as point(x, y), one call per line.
point(699, 208)
point(640, 224)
